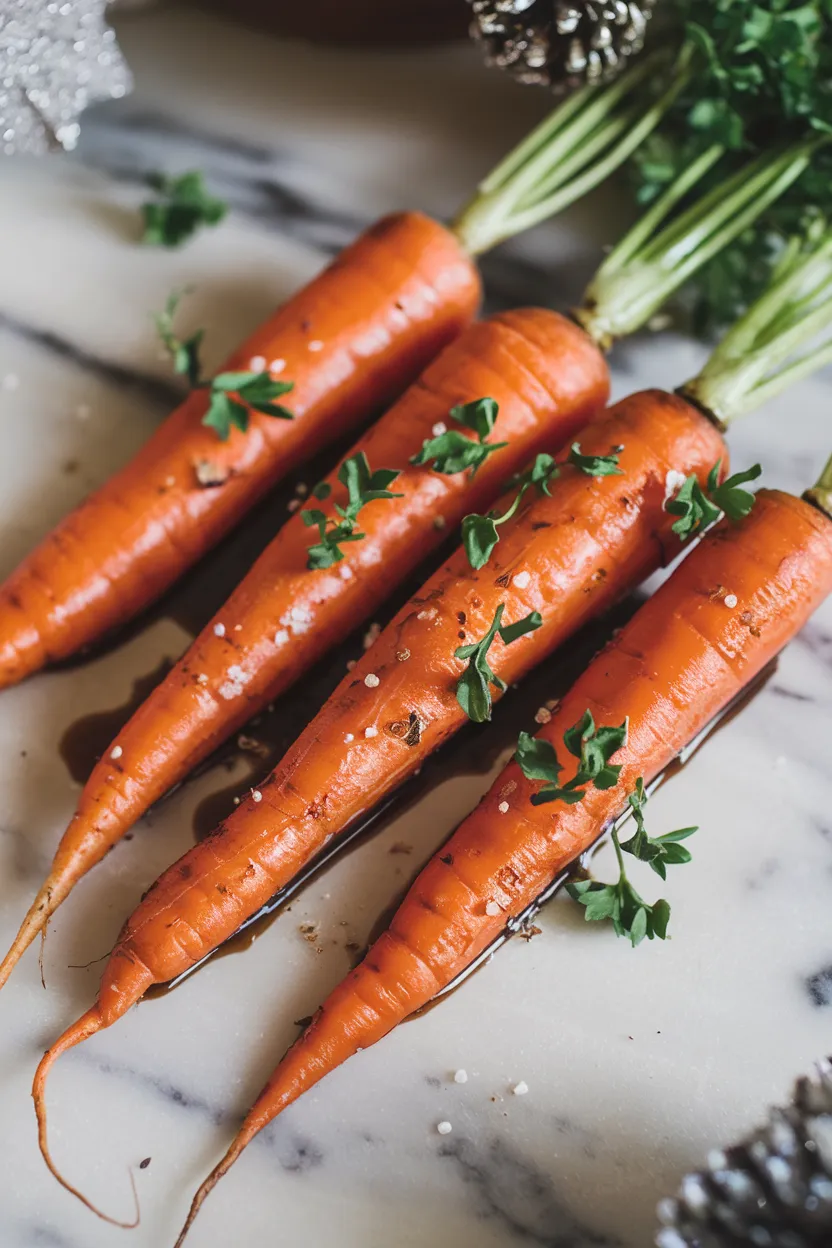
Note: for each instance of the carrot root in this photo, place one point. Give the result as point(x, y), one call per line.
point(34, 925)
point(87, 1025)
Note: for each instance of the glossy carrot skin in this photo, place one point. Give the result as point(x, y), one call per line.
point(569, 556)
point(548, 378)
point(351, 340)
point(680, 660)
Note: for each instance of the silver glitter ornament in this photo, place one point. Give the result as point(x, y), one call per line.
point(55, 60)
point(774, 1189)
point(561, 44)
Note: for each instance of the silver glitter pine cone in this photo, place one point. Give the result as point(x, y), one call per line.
point(561, 44)
point(774, 1189)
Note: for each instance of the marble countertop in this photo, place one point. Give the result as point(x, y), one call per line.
point(636, 1062)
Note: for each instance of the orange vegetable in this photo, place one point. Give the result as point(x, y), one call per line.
point(568, 556)
point(350, 341)
point(681, 658)
point(547, 377)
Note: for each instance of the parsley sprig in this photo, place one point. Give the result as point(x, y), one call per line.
point(452, 451)
point(593, 747)
point(698, 508)
point(182, 207)
point(231, 394)
point(363, 486)
point(480, 533)
point(473, 690)
point(629, 913)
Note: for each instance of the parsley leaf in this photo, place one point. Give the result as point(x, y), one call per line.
point(252, 390)
point(661, 851)
point(363, 486)
point(182, 207)
point(480, 533)
point(451, 452)
point(183, 352)
point(698, 508)
point(592, 746)
point(473, 690)
point(630, 914)
point(596, 465)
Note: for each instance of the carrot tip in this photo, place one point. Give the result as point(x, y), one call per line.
point(40, 912)
point(87, 1025)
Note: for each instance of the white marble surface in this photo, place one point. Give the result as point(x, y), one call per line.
point(636, 1062)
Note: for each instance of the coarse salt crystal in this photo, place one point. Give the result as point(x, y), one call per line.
point(521, 1088)
point(238, 628)
point(277, 366)
point(370, 732)
point(444, 1128)
point(316, 345)
point(293, 504)
point(543, 715)
point(257, 363)
point(219, 630)
point(492, 909)
point(371, 680)
point(439, 428)
point(345, 573)
point(427, 615)
point(730, 601)
point(202, 679)
point(461, 1076)
point(522, 579)
point(503, 808)
point(349, 738)
point(281, 637)
point(116, 752)
point(256, 795)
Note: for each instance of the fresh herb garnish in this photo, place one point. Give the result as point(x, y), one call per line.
point(473, 690)
point(257, 390)
point(630, 914)
point(183, 206)
point(592, 746)
point(451, 452)
point(698, 508)
point(363, 486)
point(479, 533)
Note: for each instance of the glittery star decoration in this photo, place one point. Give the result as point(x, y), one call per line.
point(55, 60)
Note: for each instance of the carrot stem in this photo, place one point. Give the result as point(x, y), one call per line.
point(762, 354)
point(821, 492)
point(572, 151)
point(650, 263)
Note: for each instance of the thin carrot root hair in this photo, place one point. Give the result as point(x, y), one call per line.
point(87, 1025)
point(34, 925)
point(245, 1136)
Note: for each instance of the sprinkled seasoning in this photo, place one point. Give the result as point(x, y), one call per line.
point(543, 715)
point(293, 504)
point(349, 738)
point(116, 752)
point(730, 601)
point(256, 795)
point(503, 808)
point(521, 1088)
point(370, 732)
point(492, 909)
point(277, 366)
point(522, 579)
point(429, 614)
point(461, 1076)
point(371, 680)
point(345, 573)
point(444, 1128)
point(371, 635)
point(210, 474)
point(202, 679)
point(219, 630)
point(281, 637)
point(439, 428)
point(316, 345)
point(257, 363)
point(402, 655)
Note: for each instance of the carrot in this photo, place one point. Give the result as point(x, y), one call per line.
point(547, 378)
point(681, 658)
point(349, 342)
point(567, 555)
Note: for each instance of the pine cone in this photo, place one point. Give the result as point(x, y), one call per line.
point(774, 1188)
point(560, 44)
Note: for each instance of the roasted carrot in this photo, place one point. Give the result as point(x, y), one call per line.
point(547, 378)
point(681, 658)
point(346, 344)
point(567, 555)
point(350, 341)
point(281, 618)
